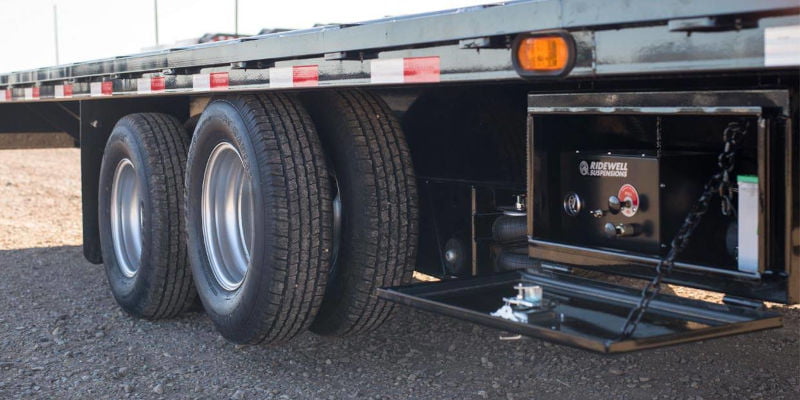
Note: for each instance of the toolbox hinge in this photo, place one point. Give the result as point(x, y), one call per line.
point(547, 267)
point(743, 302)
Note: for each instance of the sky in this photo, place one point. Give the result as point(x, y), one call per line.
point(92, 29)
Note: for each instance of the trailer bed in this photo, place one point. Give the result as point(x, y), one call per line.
point(463, 45)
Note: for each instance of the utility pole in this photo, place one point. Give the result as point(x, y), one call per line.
point(236, 17)
point(155, 14)
point(55, 31)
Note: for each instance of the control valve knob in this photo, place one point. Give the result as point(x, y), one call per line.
point(615, 204)
point(620, 230)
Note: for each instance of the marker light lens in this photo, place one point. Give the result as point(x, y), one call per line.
point(544, 54)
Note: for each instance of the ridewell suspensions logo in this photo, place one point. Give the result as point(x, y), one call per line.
point(613, 169)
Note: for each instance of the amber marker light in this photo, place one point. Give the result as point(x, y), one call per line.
point(544, 54)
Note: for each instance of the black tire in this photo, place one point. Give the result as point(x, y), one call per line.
point(508, 228)
point(156, 145)
point(283, 285)
point(367, 150)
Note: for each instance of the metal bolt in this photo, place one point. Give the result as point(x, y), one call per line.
point(450, 256)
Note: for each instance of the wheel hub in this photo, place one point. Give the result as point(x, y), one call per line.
point(127, 218)
point(227, 216)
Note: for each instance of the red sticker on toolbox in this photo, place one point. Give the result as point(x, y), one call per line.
point(628, 193)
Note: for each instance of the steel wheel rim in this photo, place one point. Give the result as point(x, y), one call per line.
point(127, 218)
point(227, 216)
point(337, 224)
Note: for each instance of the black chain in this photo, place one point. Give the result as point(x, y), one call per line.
point(718, 184)
point(726, 161)
point(658, 136)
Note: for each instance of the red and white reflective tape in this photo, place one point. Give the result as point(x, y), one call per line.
point(31, 93)
point(212, 81)
point(62, 91)
point(392, 71)
point(105, 88)
point(151, 85)
point(296, 76)
point(405, 70)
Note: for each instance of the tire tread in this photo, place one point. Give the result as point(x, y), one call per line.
point(164, 144)
point(387, 255)
point(288, 146)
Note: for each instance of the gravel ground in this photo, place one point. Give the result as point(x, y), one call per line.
point(62, 336)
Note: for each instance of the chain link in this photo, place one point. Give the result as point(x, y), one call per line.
point(726, 161)
point(718, 184)
point(658, 136)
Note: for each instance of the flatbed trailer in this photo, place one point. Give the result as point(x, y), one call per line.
point(508, 150)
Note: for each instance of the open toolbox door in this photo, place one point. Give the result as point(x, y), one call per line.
point(580, 312)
